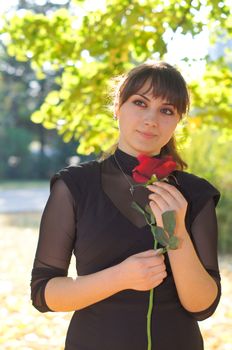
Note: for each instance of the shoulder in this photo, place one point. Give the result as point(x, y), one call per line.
point(196, 188)
point(77, 177)
point(80, 169)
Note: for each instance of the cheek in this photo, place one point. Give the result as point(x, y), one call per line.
point(169, 127)
point(124, 124)
point(124, 114)
point(174, 123)
point(167, 132)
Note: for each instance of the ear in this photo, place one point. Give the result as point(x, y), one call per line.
point(116, 110)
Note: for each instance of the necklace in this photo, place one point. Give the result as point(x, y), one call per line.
point(131, 185)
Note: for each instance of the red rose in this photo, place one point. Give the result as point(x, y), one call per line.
point(161, 167)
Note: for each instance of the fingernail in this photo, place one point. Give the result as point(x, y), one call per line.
point(159, 251)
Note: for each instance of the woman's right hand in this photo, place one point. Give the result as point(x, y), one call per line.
point(143, 271)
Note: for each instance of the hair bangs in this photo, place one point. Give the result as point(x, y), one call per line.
point(162, 81)
point(163, 85)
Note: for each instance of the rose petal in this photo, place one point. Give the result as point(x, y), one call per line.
point(148, 166)
point(165, 169)
point(139, 178)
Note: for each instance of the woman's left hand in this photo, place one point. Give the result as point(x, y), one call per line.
point(165, 197)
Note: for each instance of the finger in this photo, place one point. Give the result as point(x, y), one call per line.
point(160, 201)
point(159, 252)
point(157, 255)
point(155, 208)
point(157, 212)
point(157, 269)
point(164, 192)
point(157, 261)
point(175, 203)
point(152, 254)
point(160, 276)
point(164, 199)
point(148, 253)
point(171, 189)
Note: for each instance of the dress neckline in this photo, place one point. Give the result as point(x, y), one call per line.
point(126, 161)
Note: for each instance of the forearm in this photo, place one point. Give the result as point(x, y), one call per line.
point(67, 294)
point(196, 288)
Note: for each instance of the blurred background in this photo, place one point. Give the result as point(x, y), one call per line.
point(57, 61)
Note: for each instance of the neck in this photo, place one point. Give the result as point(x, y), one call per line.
point(135, 154)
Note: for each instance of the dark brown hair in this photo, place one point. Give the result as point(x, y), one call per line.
point(166, 82)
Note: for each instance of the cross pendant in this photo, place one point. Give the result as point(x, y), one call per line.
point(132, 190)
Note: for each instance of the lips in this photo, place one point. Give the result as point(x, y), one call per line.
point(146, 134)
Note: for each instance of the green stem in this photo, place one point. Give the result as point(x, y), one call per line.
point(149, 313)
point(155, 244)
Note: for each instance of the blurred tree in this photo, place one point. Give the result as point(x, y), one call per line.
point(23, 144)
point(21, 93)
point(90, 42)
point(208, 153)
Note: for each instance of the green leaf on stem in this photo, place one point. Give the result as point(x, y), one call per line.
point(173, 242)
point(138, 208)
point(152, 216)
point(169, 221)
point(160, 235)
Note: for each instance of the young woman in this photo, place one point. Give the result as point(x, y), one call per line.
point(89, 214)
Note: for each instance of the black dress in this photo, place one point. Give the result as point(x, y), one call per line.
point(89, 214)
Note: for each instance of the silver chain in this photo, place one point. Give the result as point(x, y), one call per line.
point(131, 185)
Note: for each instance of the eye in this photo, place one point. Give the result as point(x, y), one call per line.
point(167, 111)
point(139, 103)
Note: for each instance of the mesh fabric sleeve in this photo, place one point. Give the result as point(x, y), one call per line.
point(204, 233)
point(55, 244)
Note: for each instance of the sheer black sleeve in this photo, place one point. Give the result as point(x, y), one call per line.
point(55, 244)
point(204, 234)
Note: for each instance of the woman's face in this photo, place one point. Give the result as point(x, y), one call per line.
point(146, 123)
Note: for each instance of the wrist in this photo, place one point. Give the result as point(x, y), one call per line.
point(183, 243)
point(119, 277)
point(183, 237)
point(181, 232)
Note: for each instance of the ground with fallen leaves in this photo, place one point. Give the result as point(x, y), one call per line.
point(24, 328)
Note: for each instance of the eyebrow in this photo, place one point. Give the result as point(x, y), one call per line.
point(146, 98)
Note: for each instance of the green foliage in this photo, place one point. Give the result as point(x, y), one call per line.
point(212, 95)
point(208, 154)
point(160, 236)
point(20, 94)
point(168, 218)
point(90, 47)
point(149, 211)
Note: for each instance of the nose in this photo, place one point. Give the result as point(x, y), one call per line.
point(151, 118)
